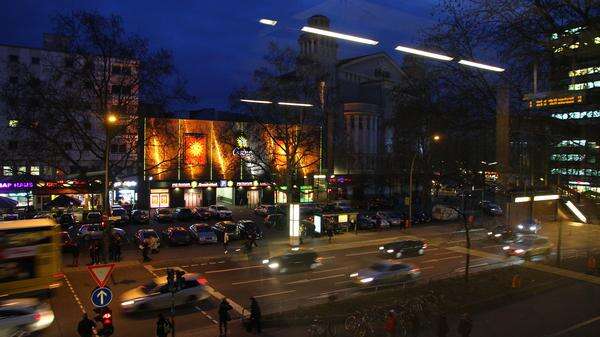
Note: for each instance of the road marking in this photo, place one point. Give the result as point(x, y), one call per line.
point(342, 282)
point(221, 261)
point(363, 253)
point(74, 293)
point(207, 315)
point(328, 270)
point(575, 327)
point(150, 269)
point(471, 267)
point(274, 294)
point(443, 258)
point(194, 265)
point(316, 279)
point(455, 241)
point(232, 269)
point(238, 308)
point(426, 267)
point(253, 281)
point(327, 257)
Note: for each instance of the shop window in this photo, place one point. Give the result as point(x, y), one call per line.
point(7, 171)
point(34, 170)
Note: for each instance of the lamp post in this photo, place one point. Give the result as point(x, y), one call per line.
point(436, 138)
point(110, 119)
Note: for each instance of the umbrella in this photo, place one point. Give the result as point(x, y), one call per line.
point(6, 203)
point(62, 201)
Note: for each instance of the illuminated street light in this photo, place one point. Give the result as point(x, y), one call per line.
point(576, 211)
point(255, 101)
point(111, 118)
point(339, 35)
point(480, 65)
point(268, 22)
point(436, 138)
point(294, 104)
point(545, 197)
point(424, 53)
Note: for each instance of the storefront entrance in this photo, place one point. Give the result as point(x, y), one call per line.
point(253, 198)
point(193, 198)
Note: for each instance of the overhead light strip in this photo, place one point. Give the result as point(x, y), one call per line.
point(424, 53)
point(336, 35)
point(480, 65)
point(294, 104)
point(255, 101)
point(268, 22)
point(576, 211)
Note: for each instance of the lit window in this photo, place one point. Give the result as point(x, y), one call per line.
point(22, 170)
point(585, 85)
point(554, 36)
point(597, 40)
point(13, 123)
point(578, 115)
point(34, 170)
point(572, 143)
point(584, 71)
point(7, 171)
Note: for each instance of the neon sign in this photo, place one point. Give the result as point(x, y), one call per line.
point(10, 185)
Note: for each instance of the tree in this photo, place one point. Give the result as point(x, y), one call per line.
point(85, 101)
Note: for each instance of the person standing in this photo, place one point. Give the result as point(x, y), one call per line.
point(224, 317)
point(117, 248)
point(225, 241)
point(163, 326)
point(86, 326)
point(145, 251)
point(329, 232)
point(111, 249)
point(75, 252)
point(255, 315)
point(390, 324)
point(465, 325)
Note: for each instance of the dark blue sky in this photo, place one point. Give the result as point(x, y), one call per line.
point(217, 44)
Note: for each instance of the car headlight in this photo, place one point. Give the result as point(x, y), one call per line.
point(381, 248)
point(532, 228)
point(390, 250)
point(274, 265)
point(498, 235)
point(265, 261)
point(506, 248)
point(127, 303)
point(354, 275)
point(490, 233)
point(520, 226)
point(366, 280)
point(519, 251)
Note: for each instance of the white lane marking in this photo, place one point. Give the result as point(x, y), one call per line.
point(444, 258)
point(328, 270)
point(470, 230)
point(221, 262)
point(342, 282)
point(575, 327)
point(238, 308)
point(253, 281)
point(150, 270)
point(449, 242)
point(232, 269)
point(316, 279)
point(363, 253)
point(274, 294)
point(471, 267)
point(328, 257)
point(74, 294)
point(194, 265)
point(207, 315)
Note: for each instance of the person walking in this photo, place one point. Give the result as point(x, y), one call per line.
point(163, 326)
point(255, 315)
point(86, 326)
point(225, 241)
point(224, 317)
point(329, 232)
point(75, 253)
point(118, 248)
point(145, 251)
point(465, 325)
point(442, 326)
point(390, 324)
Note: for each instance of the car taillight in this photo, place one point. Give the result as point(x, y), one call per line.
point(37, 316)
point(415, 270)
point(202, 281)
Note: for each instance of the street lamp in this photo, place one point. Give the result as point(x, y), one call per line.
point(436, 138)
point(111, 119)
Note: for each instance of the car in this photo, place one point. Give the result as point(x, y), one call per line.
point(248, 227)
point(404, 248)
point(491, 208)
point(220, 211)
point(149, 235)
point(156, 294)
point(177, 236)
point(95, 232)
point(444, 213)
point(384, 272)
point(10, 216)
point(120, 212)
point(93, 217)
point(227, 226)
point(528, 246)
point(528, 227)
point(23, 316)
point(163, 215)
point(393, 218)
point(293, 262)
point(419, 217)
point(275, 220)
point(366, 221)
point(43, 216)
point(342, 205)
point(67, 244)
point(201, 213)
point(203, 233)
point(264, 210)
point(67, 221)
point(139, 217)
point(183, 214)
point(501, 233)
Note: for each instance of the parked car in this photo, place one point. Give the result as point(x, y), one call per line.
point(220, 211)
point(419, 217)
point(149, 235)
point(10, 216)
point(393, 218)
point(201, 213)
point(67, 221)
point(293, 262)
point(163, 215)
point(203, 233)
point(183, 214)
point(444, 213)
point(93, 217)
point(387, 271)
point(95, 232)
point(44, 215)
point(177, 236)
point(490, 208)
point(403, 248)
point(501, 233)
point(156, 295)
point(67, 244)
point(264, 210)
point(528, 227)
point(23, 316)
point(122, 213)
point(248, 227)
point(227, 226)
point(342, 205)
point(276, 220)
point(139, 217)
point(528, 246)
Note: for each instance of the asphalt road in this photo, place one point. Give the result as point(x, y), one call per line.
point(237, 276)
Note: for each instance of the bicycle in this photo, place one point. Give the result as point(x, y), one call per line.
point(359, 324)
point(318, 328)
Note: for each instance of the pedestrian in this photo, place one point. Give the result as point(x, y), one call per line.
point(330, 232)
point(442, 326)
point(75, 252)
point(390, 324)
point(93, 252)
point(255, 315)
point(224, 317)
point(145, 251)
point(86, 326)
point(111, 249)
point(118, 249)
point(225, 241)
point(163, 326)
point(465, 325)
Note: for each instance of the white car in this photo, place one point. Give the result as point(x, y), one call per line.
point(21, 316)
point(387, 271)
point(163, 214)
point(219, 211)
point(95, 232)
point(156, 295)
point(203, 233)
point(444, 213)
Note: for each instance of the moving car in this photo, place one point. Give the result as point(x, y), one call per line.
point(264, 210)
point(150, 235)
point(399, 249)
point(491, 208)
point(22, 316)
point(177, 236)
point(528, 245)
point(183, 214)
point(95, 232)
point(163, 215)
point(388, 271)
point(501, 233)
point(156, 294)
point(201, 213)
point(220, 212)
point(293, 262)
point(203, 233)
point(227, 226)
point(139, 217)
point(528, 227)
point(248, 227)
point(10, 216)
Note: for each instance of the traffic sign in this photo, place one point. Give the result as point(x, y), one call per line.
point(101, 297)
point(101, 272)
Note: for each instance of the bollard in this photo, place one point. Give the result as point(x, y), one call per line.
point(516, 281)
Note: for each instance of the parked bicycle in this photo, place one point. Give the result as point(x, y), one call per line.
point(320, 328)
point(359, 324)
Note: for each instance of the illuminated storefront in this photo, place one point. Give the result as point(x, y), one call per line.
point(88, 192)
point(21, 192)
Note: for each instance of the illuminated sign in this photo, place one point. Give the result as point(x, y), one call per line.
point(294, 220)
point(195, 149)
point(208, 184)
point(127, 183)
point(581, 183)
point(554, 101)
point(244, 183)
point(178, 185)
point(11, 185)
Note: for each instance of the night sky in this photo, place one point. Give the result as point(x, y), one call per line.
point(217, 44)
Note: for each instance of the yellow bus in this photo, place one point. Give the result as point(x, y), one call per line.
point(30, 256)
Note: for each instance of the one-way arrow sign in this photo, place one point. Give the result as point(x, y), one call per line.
point(101, 272)
point(101, 297)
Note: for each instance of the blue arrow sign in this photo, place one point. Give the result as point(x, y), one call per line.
point(101, 297)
